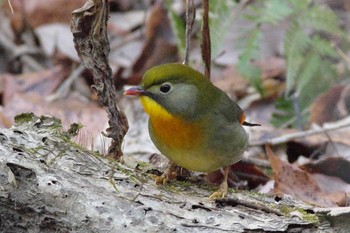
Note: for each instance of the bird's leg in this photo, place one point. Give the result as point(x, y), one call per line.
point(169, 174)
point(222, 192)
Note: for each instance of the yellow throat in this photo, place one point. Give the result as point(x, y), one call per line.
point(173, 131)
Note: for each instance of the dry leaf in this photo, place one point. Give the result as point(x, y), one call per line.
point(240, 171)
point(271, 67)
point(335, 189)
point(323, 109)
point(42, 82)
point(57, 37)
point(294, 181)
point(40, 12)
point(331, 166)
point(231, 82)
point(159, 46)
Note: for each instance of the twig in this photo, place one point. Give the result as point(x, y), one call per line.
point(296, 106)
point(285, 138)
point(13, 49)
point(189, 25)
point(234, 201)
point(127, 39)
point(257, 162)
point(10, 5)
point(343, 55)
point(332, 143)
point(206, 45)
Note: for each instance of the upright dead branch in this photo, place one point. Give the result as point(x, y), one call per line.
point(89, 28)
point(190, 16)
point(205, 46)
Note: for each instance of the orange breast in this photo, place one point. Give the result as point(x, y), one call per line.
point(173, 131)
point(176, 133)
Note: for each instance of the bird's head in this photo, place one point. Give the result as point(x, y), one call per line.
point(174, 88)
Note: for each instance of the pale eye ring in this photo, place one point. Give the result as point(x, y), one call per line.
point(165, 88)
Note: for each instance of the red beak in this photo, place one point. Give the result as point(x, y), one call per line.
point(134, 91)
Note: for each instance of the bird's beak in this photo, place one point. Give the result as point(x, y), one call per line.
point(135, 91)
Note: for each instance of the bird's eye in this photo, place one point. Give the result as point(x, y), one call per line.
point(165, 88)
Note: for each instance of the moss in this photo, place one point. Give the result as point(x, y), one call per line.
point(309, 217)
point(287, 210)
point(24, 118)
point(142, 164)
point(172, 187)
point(74, 130)
point(212, 188)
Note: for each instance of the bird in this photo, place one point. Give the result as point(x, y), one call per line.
point(191, 121)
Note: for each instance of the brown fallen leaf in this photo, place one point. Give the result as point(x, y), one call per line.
point(331, 166)
point(271, 67)
point(271, 71)
point(334, 188)
point(57, 39)
point(291, 180)
point(42, 82)
point(240, 171)
point(335, 142)
point(231, 82)
point(159, 46)
point(331, 105)
point(36, 12)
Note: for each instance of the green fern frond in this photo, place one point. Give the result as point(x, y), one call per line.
point(220, 17)
point(308, 51)
point(296, 44)
point(251, 43)
point(307, 71)
point(321, 18)
point(323, 47)
point(275, 11)
point(178, 26)
point(300, 5)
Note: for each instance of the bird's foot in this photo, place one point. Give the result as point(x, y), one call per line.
point(170, 174)
point(221, 193)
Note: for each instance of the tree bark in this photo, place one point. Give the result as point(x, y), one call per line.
point(50, 184)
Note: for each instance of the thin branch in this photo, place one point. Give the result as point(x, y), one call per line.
point(10, 5)
point(234, 201)
point(13, 49)
point(190, 16)
point(257, 162)
point(206, 45)
point(285, 138)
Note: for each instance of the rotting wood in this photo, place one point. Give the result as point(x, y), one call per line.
point(50, 184)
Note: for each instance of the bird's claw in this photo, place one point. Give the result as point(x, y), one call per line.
point(163, 179)
point(221, 193)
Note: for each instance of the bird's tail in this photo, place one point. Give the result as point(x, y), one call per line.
point(250, 124)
